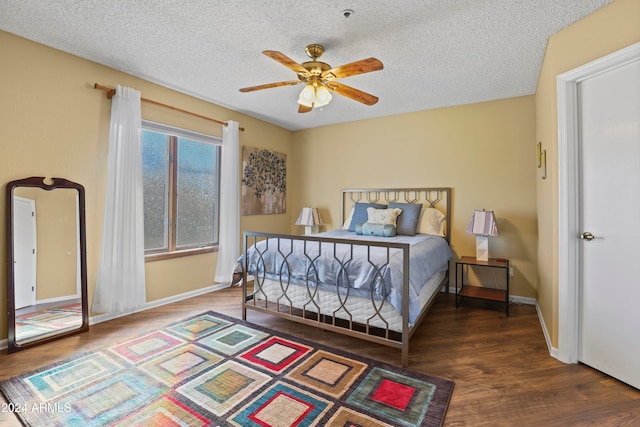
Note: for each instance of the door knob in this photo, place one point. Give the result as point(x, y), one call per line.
point(586, 236)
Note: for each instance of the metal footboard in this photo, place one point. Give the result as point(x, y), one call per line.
point(339, 318)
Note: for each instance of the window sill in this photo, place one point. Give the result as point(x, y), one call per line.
point(179, 253)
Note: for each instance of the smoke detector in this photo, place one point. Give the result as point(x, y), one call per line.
point(347, 13)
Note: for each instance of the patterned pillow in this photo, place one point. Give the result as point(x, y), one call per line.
point(407, 222)
point(360, 214)
point(383, 216)
point(381, 230)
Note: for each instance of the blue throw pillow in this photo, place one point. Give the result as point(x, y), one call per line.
point(382, 230)
point(360, 215)
point(407, 222)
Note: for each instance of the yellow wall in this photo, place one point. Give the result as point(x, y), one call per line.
point(609, 29)
point(485, 152)
point(54, 124)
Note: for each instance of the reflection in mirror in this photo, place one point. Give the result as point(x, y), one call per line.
point(46, 283)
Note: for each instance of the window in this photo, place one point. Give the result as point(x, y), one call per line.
point(181, 178)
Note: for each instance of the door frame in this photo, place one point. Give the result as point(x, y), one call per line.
point(568, 199)
point(33, 244)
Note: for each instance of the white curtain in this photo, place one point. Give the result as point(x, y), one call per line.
point(229, 236)
point(120, 282)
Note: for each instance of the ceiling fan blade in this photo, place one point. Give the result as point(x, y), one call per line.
point(359, 67)
point(349, 92)
point(270, 85)
point(303, 108)
point(286, 61)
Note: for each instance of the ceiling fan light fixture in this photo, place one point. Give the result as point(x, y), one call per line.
point(307, 96)
point(323, 97)
point(319, 78)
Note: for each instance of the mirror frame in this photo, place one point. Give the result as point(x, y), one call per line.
point(39, 182)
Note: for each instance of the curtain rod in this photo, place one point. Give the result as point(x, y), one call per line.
point(111, 91)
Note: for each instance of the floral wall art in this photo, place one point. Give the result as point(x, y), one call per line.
point(264, 181)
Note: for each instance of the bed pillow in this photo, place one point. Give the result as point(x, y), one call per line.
point(432, 221)
point(347, 222)
point(360, 215)
point(381, 230)
point(407, 222)
point(383, 216)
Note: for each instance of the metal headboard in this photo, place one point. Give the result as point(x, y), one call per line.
point(431, 197)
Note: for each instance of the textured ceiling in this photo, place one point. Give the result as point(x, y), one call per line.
point(436, 53)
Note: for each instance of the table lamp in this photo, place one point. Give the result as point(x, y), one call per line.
point(483, 224)
point(310, 219)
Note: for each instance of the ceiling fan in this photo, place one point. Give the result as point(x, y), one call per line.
point(320, 78)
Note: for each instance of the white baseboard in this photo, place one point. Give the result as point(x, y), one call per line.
point(523, 300)
point(157, 303)
point(553, 352)
point(52, 300)
point(153, 304)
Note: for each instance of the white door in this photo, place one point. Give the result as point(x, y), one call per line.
point(24, 248)
point(609, 152)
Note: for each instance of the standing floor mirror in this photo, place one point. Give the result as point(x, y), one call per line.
point(46, 261)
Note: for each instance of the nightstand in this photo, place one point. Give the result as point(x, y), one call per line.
point(465, 290)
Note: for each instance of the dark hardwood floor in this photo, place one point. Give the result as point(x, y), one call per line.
point(502, 370)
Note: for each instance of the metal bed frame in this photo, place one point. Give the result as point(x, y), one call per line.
point(341, 321)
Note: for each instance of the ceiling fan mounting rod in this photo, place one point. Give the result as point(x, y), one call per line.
point(314, 51)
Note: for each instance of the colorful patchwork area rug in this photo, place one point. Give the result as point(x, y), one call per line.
point(214, 370)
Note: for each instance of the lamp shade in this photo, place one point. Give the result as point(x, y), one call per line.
point(309, 217)
point(323, 96)
point(307, 96)
point(314, 95)
point(483, 222)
